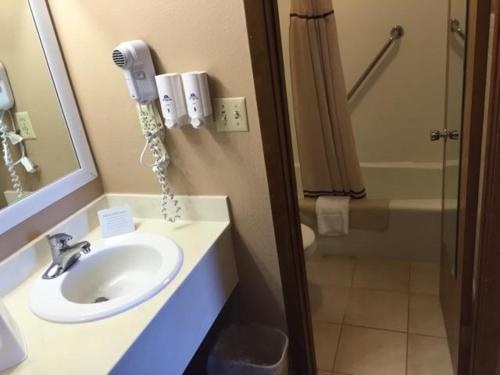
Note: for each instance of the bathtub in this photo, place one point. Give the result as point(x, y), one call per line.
point(413, 233)
point(403, 180)
point(410, 195)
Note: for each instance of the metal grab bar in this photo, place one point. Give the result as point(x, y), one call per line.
point(457, 28)
point(396, 33)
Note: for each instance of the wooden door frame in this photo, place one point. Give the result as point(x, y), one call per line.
point(458, 294)
point(485, 341)
point(267, 65)
point(269, 79)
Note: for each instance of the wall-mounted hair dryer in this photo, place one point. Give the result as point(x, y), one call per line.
point(134, 58)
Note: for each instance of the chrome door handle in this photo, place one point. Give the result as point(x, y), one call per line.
point(453, 135)
point(436, 135)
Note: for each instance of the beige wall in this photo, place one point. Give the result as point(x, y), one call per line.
point(34, 93)
point(184, 35)
point(404, 98)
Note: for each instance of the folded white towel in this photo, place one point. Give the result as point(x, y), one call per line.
point(332, 214)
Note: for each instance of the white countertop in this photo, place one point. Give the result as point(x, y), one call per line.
point(96, 347)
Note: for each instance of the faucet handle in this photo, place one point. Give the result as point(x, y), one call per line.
point(86, 247)
point(59, 240)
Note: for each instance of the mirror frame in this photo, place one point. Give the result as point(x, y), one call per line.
point(15, 214)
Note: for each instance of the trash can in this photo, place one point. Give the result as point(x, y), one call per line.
point(249, 350)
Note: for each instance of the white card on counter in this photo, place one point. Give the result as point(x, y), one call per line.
point(116, 220)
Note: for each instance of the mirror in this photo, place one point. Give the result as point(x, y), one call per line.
point(45, 154)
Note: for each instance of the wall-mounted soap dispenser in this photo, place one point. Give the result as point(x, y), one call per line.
point(197, 95)
point(171, 95)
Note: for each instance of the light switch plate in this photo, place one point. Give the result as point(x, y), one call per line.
point(23, 123)
point(230, 114)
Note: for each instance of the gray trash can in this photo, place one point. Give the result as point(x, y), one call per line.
point(249, 350)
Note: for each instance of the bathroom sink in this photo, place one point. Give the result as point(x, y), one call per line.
point(118, 274)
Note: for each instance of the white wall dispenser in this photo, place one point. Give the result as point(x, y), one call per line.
point(171, 95)
point(12, 348)
point(197, 95)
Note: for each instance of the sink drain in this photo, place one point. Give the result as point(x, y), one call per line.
point(101, 299)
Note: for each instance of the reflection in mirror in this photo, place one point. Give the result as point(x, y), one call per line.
point(454, 104)
point(36, 147)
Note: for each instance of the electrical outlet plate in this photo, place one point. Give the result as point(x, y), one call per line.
point(230, 114)
point(23, 123)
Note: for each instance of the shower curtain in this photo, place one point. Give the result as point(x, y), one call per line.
point(327, 151)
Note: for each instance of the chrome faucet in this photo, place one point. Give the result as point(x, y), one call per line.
point(63, 255)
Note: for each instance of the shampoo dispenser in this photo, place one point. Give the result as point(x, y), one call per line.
point(171, 95)
point(197, 95)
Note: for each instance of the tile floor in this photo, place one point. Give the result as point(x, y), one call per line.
point(377, 317)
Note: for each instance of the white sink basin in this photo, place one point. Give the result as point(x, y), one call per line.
point(118, 274)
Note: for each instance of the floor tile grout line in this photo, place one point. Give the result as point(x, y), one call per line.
point(381, 290)
point(337, 349)
point(349, 287)
point(427, 335)
point(424, 294)
point(355, 259)
point(408, 320)
point(337, 346)
point(354, 269)
point(343, 316)
point(379, 329)
point(374, 328)
point(377, 289)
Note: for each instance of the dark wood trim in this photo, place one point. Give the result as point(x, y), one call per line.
point(477, 61)
point(457, 294)
point(265, 49)
point(486, 313)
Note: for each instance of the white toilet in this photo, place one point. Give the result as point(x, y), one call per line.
point(308, 240)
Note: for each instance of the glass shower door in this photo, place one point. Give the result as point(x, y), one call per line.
point(451, 134)
point(450, 199)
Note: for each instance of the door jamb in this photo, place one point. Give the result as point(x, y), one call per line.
point(268, 70)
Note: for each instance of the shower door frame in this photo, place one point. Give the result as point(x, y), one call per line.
point(267, 65)
point(485, 341)
point(458, 294)
point(268, 70)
